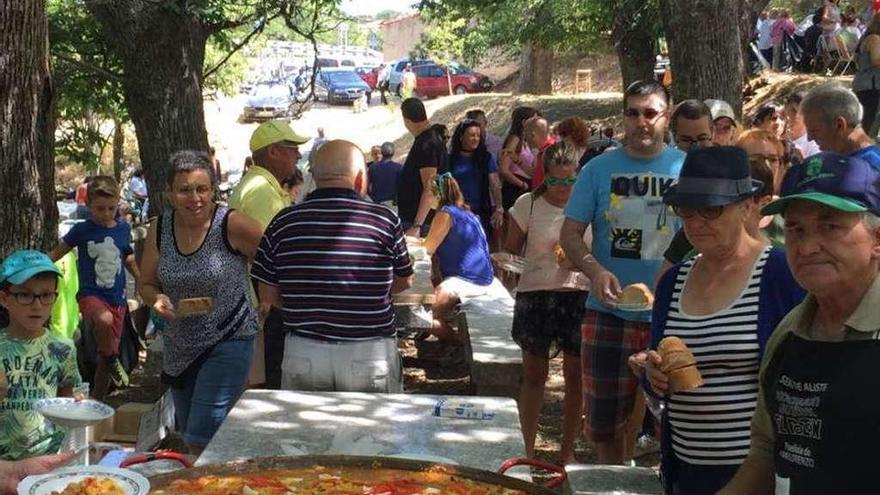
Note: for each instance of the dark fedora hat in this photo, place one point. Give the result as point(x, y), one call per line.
point(713, 176)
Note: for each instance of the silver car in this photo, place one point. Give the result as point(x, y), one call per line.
point(267, 101)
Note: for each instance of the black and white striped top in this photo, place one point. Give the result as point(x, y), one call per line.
point(710, 424)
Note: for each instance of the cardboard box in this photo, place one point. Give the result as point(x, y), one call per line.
point(142, 425)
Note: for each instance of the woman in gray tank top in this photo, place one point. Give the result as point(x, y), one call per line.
point(199, 251)
point(866, 83)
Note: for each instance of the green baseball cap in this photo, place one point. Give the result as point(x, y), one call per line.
point(275, 131)
point(22, 265)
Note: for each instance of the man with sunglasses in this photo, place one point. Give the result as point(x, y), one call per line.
point(619, 194)
point(275, 148)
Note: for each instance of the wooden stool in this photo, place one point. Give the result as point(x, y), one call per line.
point(583, 78)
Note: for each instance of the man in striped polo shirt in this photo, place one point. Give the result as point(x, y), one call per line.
point(331, 264)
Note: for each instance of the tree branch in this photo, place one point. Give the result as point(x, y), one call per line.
point(94, 69)
point(238, 46)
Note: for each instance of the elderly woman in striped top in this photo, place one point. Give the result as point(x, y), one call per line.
point(723, 304)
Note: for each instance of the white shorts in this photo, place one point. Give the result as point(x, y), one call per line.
point(465, 290)
point(366, 366)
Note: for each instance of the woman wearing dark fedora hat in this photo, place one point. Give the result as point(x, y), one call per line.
point(723, 304)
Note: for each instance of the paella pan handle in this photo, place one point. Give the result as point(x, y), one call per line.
point(153, 456)
point(557, 480)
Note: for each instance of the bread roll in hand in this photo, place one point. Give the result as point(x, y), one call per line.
point(679, 365)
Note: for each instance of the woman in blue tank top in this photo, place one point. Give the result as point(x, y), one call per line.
point(458, 239)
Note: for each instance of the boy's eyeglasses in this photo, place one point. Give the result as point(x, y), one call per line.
point(707, 212)
point(553, 181)
point(27, 298)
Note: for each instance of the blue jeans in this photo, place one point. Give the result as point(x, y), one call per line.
point(208, 393)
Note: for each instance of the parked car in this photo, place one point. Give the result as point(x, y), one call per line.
point(267, 101)
point(335, 85)
point(370, 76)
point(395, 71)
point(431, 80)
point(328, 62)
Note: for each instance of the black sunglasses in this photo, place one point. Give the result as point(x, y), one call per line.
point(648, 113)
point(707, 212)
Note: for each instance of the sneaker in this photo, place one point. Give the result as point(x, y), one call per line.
point(117, 373)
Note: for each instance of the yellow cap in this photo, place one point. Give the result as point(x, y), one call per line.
point(275, 131)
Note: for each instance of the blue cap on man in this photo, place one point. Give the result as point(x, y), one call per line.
point(841, 182)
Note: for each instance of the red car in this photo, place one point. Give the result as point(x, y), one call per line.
point(370, 76)
point(431, 81)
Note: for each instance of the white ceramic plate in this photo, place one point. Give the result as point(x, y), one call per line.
point(131, 482)
point(66, 411)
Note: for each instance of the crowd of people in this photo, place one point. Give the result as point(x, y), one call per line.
point(758, 238)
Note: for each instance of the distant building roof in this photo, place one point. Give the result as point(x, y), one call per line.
point(399, 18)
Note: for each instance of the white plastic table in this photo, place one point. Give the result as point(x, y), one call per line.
point(273, 423)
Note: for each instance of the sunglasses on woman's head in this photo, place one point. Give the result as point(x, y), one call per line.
point(553, 181)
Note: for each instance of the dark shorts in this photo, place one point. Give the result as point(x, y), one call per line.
point(546, 322)
point(610, 386)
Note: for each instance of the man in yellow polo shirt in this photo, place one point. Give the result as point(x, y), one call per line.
point(275, 151)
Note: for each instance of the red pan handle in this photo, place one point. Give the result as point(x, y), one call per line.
point(152, 456)
point(557, 480)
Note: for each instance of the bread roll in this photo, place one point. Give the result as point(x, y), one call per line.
point(636, 294)
point(194, 306)
point(679, 365)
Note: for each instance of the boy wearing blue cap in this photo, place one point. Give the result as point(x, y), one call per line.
point(34, 363)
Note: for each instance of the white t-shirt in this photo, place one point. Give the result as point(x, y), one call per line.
point(542, 233)
point(806, 146)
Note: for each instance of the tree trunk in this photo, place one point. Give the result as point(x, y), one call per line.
point(536, 70)
point(162, 53)
point(635, 40)
point(118, 149)
point(704, 49)
point(29, 216)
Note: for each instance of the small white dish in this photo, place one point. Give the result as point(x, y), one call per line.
point(131, 482)
point(70, 413)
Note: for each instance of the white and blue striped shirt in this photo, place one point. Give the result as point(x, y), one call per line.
point(710, 424)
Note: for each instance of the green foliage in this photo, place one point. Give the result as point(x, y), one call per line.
point(467, 28)
point(234, 69)
point(87, 81)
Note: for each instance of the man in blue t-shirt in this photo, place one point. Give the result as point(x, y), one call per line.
point(833, 116)
point(619, 194)
point(384, 175)
point(103, 251)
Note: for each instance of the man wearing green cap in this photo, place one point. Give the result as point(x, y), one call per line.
point(275, 150)
point(815, 428)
